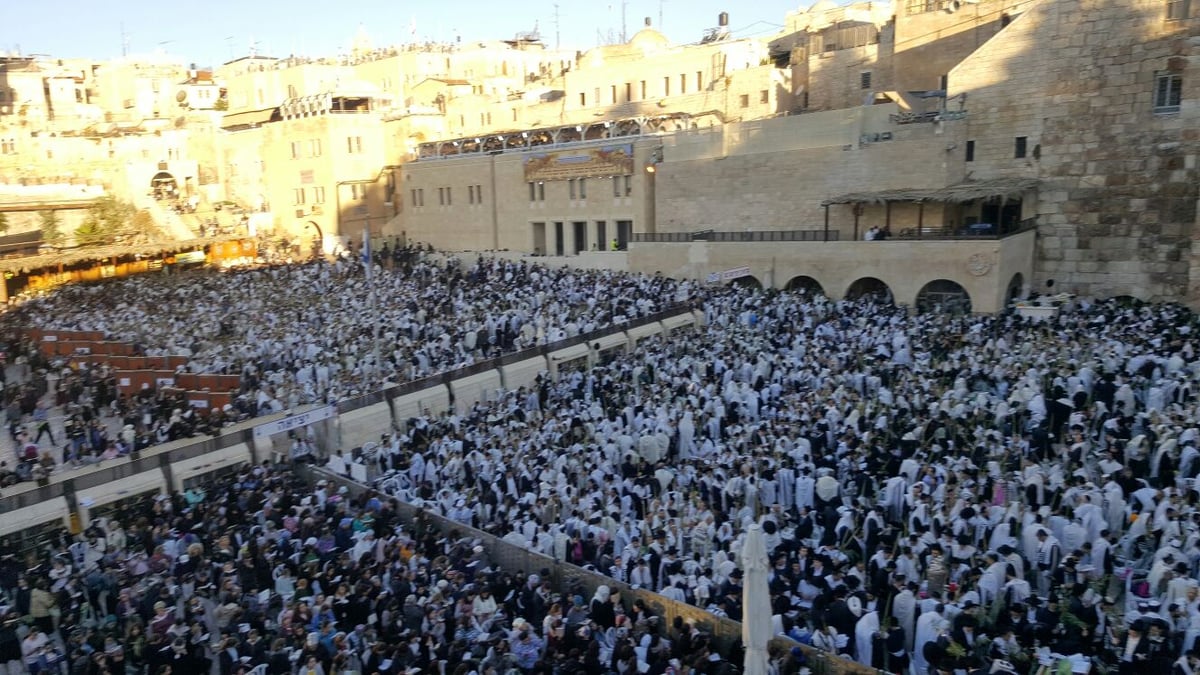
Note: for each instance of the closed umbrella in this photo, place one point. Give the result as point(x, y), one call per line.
point(756, 602)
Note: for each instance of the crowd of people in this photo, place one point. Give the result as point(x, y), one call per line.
point(295, 334)
point(939, 492)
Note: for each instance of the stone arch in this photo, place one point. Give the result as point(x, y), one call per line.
point(943, 295)
point(1015, 289)
point(805, 284)
point(870, 287)
point(163, 185)
point(748, 281)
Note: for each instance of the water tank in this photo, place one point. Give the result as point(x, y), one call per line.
point(723, 19)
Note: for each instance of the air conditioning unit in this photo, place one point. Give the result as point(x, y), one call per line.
point(300, 213)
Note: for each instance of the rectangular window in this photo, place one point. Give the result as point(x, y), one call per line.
point(764, 96)
point(314, 147)
point(1178, 9)
point(532, 192)
point(541, 191)
point(470, 194)
point(514, 114)
point(616, 186)
point(970, 156)
point(613, 89)
point(628, 185)
point(1168, 88)
point(318, 195)
point(628, 92)
point(571, 188)
point(864, 79)
point(449, 201)
point(583, 188)
point(643, 97)
point(682, 83)
point(1019, 147)
point(667, 86)
point(298, 195)
point(295, 150)
point(744, 100)
point(478, 194)
point(699, 80)
point(441, 196)
point(354, 144)
point(412, 197)
point(582, 100)
point(420, 196)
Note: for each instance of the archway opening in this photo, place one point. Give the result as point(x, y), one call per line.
point(870, 288)
point(944, 297)
point(163, 186)
point(748, 281)
point(805, 285)
point(1016, 289)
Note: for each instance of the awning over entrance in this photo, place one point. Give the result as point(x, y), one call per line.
point(1003, 188)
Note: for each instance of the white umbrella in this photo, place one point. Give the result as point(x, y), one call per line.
point(756, 602)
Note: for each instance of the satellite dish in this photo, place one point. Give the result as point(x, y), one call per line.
point(181, 96)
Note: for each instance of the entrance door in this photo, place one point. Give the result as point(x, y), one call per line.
point(559, 244)
point(580, 232)
point(539, 239)
point(601, 236)
point(624, 230)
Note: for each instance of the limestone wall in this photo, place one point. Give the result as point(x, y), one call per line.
point(1077, 79)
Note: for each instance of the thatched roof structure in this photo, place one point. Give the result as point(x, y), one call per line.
point(1004, 188)
point(71, 256)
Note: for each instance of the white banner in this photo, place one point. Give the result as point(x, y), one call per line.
point(295, 421)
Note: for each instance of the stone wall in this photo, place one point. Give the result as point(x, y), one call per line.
point(1077, 78)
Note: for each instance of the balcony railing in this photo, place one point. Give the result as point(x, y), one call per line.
point(734, 237)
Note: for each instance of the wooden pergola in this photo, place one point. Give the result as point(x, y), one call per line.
point(960, 193)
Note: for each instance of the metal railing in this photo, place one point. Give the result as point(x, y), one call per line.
point(734, 237)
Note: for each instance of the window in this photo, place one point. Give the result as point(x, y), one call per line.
point(699, 80)
point(583, 188)
point(449, 200)
point(475, 194)
point(533, 192)
point(514, 114)
point(441, 196)
point(420, 196)
point(683, 83)
point(1178, 9)
point(628, 92)
point(667, 86)
point(295, 150)
point(614, 93)
point(1019, 147)
point(318, 195)
point(1167, 92)
point(616, 186)
point(314, 147)
point(643, 89)
point(478, 194)
point(298, 196)
point(764, 96)
point(628, 185)
point(864, 79)
point(541, 191)
point(470, 194)
point(571, 188)
point(582, 100)
point(412, 197)
point(291, 91)
point(970, 156)
point(358, 191)
point(354, 144)
point(744, 100)
point(537, 192)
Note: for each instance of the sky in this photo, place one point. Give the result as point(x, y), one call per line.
point(210, 33)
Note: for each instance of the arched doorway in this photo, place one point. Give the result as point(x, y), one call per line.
point(747, 281)
point(163, 186)
point(1016, 289)
point(870, 288)
point(943, 296)
point(315, 237)
point(805, 285)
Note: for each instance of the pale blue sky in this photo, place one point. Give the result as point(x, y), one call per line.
point(208, 33)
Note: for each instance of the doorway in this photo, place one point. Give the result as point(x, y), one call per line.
point(539, 239)
point(624, 232)
point(559, 244)
point(601, 236)
point(580, 239)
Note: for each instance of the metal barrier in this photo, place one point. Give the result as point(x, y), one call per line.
point(734, 237)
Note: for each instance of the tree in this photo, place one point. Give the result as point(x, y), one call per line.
point(50, 227)
point(108, 220)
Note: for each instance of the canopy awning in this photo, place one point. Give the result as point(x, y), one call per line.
point(70, 256)
point(252, 118)
point(1005, 188)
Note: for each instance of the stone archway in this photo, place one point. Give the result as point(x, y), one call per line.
point(870, 288)
point(805, 285)
point(164, 186)
point(1015, 289)
point(943, 296)
point(748, 281)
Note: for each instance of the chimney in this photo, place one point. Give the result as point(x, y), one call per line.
point(723, 19)
point(647, 22)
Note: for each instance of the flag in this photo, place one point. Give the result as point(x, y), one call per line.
point(366, 249)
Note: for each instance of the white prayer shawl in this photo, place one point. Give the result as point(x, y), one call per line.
point(864, 632)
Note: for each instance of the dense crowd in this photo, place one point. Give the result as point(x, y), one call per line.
point(939, 493)
point(295, 334)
